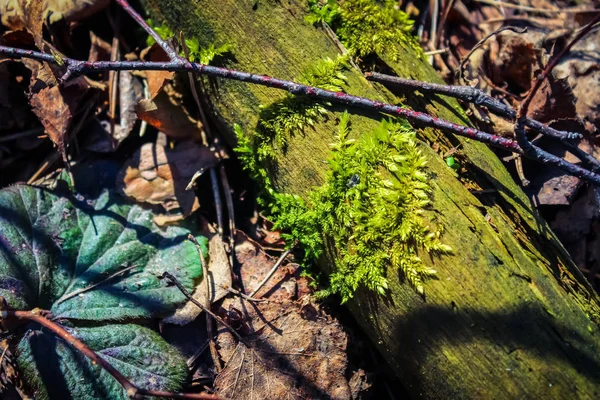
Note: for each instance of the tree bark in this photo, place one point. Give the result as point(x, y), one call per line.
point(510, 316)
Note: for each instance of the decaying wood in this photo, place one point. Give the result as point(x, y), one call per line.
point(510, 316)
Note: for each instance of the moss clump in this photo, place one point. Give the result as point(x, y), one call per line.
point(371, 209)
point(366, 27)
point(285, 118)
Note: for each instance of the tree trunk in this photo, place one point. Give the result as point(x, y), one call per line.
point(510, 316)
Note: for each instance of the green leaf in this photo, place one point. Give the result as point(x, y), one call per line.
point(96, 261)
point(55, 370)
point(451, 162)
point(58, 253)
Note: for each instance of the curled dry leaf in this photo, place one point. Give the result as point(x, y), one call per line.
point(56, 105)
point(158, 175)
point(166, 114)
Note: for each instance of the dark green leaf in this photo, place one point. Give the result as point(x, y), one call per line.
point(54, 369)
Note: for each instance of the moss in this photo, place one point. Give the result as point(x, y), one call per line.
point(197, 53)
point(371, 208)
point(285, 118)
point(366, 27)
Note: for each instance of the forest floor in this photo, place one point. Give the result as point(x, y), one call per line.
point(117, 135)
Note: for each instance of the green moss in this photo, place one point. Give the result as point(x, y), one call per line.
point(197, 53)
point(371, 208)
point(366, 27)
point(285, 118)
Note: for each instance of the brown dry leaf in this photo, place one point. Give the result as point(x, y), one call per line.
point(157, 175)
point(17, 14)
point(54, 113)
point(156, 79)
point(220, 275)
point(513, 61)
point(553, 101)
point(33, 19)
point(254, 266)
point(166, 114)
point(582, 69)
point(296, 352)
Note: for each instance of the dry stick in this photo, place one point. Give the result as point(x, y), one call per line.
point(88, 288)
point(480, 98)
point(230, 212)
point(206, 128)
point(528, 148)
point(533, 9)
point(132, 390)
point(187, 294)
point(20, 135)
point(204, 266)
point(79, 67)
point(272, 271)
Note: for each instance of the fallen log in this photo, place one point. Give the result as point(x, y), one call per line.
point(509, 315)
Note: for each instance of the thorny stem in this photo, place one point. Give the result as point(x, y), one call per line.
point(133, 392)
point(180, 64)
point(529, 149)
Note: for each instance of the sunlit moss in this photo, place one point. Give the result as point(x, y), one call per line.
point(371, 209)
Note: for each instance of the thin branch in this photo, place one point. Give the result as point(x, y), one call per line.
point(479, 97)
point(187, 294)
point(471, 95)
point(463, 62)
point(138, 18)
point(529, 149)
point(535, 9)
point(272, 271)
point(230, 212)
point(80, 67)
point(132, 390)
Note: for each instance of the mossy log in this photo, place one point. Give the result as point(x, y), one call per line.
point(509, 316)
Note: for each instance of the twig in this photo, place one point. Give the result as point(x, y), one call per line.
point(132, 390)
point(79, 67)
point(480, 98)
point(206, 132)
point(529, 149)
point(471, 95)
point(88, 288)
point(230, 212)
point(204, 265)
point(534, 9)
point(434, 52)
point(463, 62)
point(138, 18)
point(272, 271)
point(174, 281)
point(243, 295)
point(20, 135)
